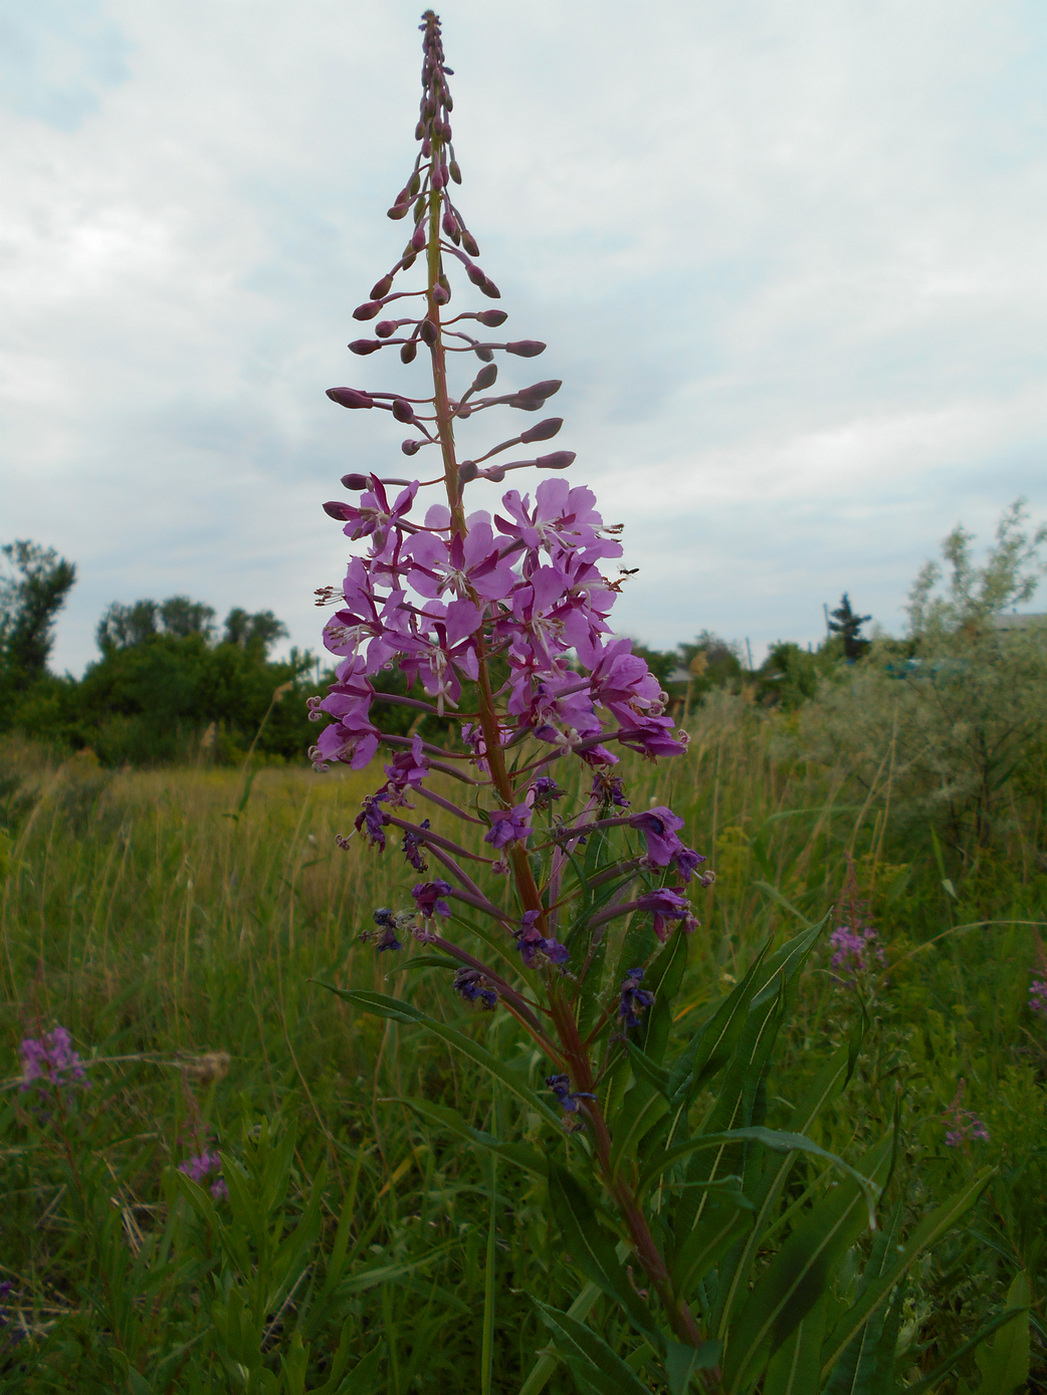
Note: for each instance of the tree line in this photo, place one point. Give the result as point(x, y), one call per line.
point(171, 684)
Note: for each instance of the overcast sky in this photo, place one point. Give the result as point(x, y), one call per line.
point(789, 260)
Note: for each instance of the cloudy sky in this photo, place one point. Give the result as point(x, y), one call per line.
point(789, 260)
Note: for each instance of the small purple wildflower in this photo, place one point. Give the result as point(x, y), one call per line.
point(533, 943)
point(474, 987)
point(855, 949)
point(666, 904)
point(966, 1124)
point(387, 922)
point(561, 1088)
point(659, 827)
point(203, 1166)
point(543, 791)
point(634, 1000)
point(1038, 997)
point(374, 819)
point(51, 1058)
point(429, 898)
point(609, 790)
point(412, 845)
point(507, 825)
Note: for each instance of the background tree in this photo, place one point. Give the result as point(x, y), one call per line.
point(31, 595)
point(848, 625)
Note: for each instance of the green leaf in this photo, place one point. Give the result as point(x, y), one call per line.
point(927, 1233)
point(400, 1011)
point(795, 1368)
point(774, 1139)
point(641, 1108)
point(663, 978)
point(518, 1153)
point(766, 1192)
point(682, 1361)
point(866, 1364)
point(592, 1246)
point(799, 1274)
point(1004, 1363)
point(539, 1374)
point(932, 1381)
point(646, 1069)
point(590, 1355)
point(421, 961)
point(720, 1226)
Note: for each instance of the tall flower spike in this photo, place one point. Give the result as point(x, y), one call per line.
point(499, 617)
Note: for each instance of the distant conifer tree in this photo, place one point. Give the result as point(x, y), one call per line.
point(847, 625)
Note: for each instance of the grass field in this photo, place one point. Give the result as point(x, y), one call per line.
point(180, 932)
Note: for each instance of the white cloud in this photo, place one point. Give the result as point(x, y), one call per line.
point(788, 261)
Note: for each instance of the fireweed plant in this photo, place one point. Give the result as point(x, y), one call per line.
point(664, 1185)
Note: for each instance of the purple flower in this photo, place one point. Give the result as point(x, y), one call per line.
point(659, 826)
point(474, 987)
point(965, 1124)
point(411, 847)
point(634, 999)
point(372, 817)
point(855, 949)
point(507, 825)
point(532, 942)
point(666, 905)
point(200, 1168)
point(561, 1088)
point(1038, 997)
point(51, 1059)
point(388, 923)
point(609, 790)
point(428, 897)
point(543, 791)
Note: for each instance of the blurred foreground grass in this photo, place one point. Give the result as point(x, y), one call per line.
point(178, 930)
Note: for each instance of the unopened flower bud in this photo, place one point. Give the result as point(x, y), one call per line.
point(356, 482)
point(398, 211)
point(334, 508)
point(465, 411)
point(441, 295)
point(408, 352)
point(475, 275)
point(403, 411)
point(428, 332)
point(483, 353)
point(494, 472)
point(415, 184)
point(543, 431)
point(365, 346)
point(418, 237)
point(368, 310)
point(450, 226)
point(488, 288)
point(492, 318)
point(467, 471)
point(349, 397)
point(411, 447)
point(469, 243)
point(409, 258)
point(384, 328)
point(558, 460)
point(456, 173)
point(485, 378)
point(439, 176)
point(526, 348)
point(381, 288)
